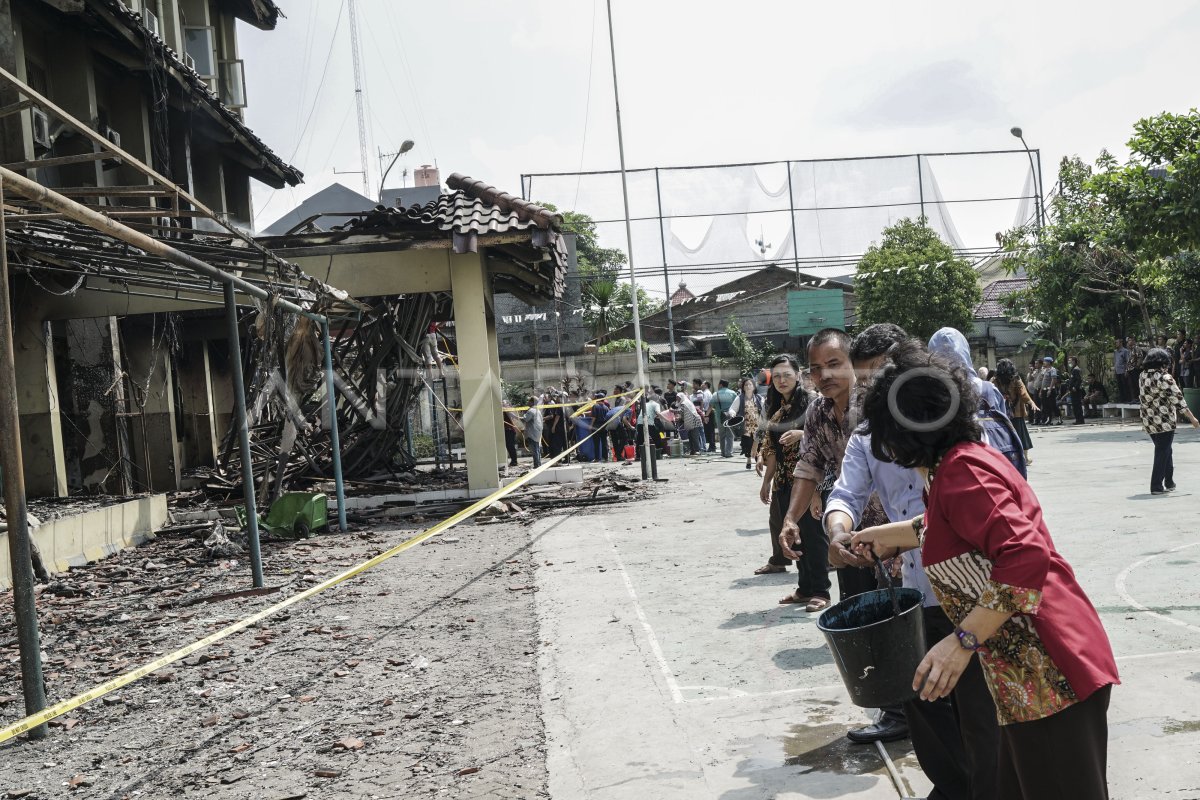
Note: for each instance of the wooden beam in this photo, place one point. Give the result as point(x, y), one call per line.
point(59, 161)
point(13, 108)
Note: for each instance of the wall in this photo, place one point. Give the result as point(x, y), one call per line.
point(611, 369)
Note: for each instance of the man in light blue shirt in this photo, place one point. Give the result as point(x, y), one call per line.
point(955, 741)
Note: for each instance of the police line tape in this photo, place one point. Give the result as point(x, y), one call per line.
point(67, 706)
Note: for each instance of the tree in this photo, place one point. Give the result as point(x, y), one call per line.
point(743, 353)
point(913, 278)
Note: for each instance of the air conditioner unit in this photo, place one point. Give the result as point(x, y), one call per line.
point(151, 22)
point(41, 128)
point(112, 135)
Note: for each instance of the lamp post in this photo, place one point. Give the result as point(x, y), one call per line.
point(1038, 202)
point(404, 148)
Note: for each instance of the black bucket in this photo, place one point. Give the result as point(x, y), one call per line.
point(877, 651)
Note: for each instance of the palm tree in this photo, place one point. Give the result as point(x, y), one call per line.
point(599, 311)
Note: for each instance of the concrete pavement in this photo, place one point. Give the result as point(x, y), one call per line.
point(669, 670)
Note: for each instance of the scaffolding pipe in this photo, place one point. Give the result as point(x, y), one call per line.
point(19, 546)
point(32, 190)
point(334, 437)
point(239, 393)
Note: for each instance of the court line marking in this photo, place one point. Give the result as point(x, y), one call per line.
point(1164, 653)
point(1119, 584)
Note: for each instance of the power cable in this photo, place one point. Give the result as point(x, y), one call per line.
point(587, 108)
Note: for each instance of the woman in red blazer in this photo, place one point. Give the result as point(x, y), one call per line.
point(1014, 599)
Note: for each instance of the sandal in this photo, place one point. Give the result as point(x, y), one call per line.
point(768, 569)
point(816, 604)
point(795, 599)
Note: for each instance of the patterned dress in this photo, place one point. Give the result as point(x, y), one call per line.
point(1162, 401)
point(986, 544)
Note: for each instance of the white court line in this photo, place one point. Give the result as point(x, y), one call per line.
point(736, 695)
point(1158, 655)
point(668, 675)
point(1128, 598)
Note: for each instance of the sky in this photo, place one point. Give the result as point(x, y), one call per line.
point(495, 90)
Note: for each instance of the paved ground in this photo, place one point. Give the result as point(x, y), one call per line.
point(668, 671)
point(660, 667)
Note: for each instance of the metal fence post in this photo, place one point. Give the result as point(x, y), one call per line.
point(239, 393)
point(19, 547)
point(334, 438)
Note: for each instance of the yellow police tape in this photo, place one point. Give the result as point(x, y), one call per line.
point(586, 404)
point(67, 706)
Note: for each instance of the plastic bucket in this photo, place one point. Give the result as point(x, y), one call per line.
point(876, 653)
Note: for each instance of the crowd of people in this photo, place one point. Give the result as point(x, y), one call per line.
point(902, 452)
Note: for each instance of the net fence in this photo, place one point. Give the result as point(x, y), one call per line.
point(711, 224)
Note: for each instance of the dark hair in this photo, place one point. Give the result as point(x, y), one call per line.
point(933, 386)
point(1006, 370)
point(723, 383)
point(876, 341)
point(775, 397)
point(835, 336)
point(1157, 358)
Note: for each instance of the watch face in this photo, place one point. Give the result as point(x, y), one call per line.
point(968, 640)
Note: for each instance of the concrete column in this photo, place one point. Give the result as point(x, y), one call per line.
point(202, 439)
point(497, 389)
point(97, 445)
point(477, 379)
point(156, 447)
point(38, 402)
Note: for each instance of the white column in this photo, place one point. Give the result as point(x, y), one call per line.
point(479, 379)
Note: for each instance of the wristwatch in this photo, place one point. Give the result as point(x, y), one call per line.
point(967, 640)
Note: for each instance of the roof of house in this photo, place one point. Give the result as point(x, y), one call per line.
point(312, 212)
point(472, 214)
point(992, 305)
point(681, 294)
point(116, 17)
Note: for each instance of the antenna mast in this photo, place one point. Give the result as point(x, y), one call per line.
point(358, 99)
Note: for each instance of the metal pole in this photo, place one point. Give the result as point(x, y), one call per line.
point(662, 238)
point(19, 547)
point(792, 212)
point(437, 436)
point(633, 287)
point(1041, 198)
point(920, 185)
point(239, 394)
point(446, 414)
point(335, 441)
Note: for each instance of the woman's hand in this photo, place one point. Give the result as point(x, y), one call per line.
point(760, 464)
point(764, 493)
point(788, 438)
point(840, 554)
point(866, 542)
point(940, 669)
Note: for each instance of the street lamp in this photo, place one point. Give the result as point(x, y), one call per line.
point(1038, 202)
point(404, 148)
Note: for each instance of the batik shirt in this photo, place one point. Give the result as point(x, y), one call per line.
point(785, 455)
point(986, 544)
point(1162, 401)
point(825, 440)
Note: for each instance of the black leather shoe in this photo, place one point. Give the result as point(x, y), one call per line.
point(887, 729)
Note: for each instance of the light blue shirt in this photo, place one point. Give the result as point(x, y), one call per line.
point(899, 489)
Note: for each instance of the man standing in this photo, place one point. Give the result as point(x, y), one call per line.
point(955, 739)
point(722, 402)
point(1133, 374)
point(533, 430)
point(1120, 368)
point(1076, 387)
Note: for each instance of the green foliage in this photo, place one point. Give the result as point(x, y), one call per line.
point(422, 445)
point(743, 353)
point(912, 278)
point(623, 346)
point(515, 392)
point(593, 259)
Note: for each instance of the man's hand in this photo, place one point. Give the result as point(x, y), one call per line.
point(816, 507)
point(941, 668)
point(764, 493)
point(788, 538)
point(840, 554)
point(865, 542)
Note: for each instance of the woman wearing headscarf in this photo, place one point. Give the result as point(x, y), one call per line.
point(1009, 382)
point(784, 425)
point(1161, 404)
point(1014, 600)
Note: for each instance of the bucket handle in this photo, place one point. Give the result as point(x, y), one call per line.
point(891, 586)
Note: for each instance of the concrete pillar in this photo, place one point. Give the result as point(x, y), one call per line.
point(156, 447)
point(478, 381)
point(97, 444)
point(201, 439)
point(494, 357)
point(38, 402)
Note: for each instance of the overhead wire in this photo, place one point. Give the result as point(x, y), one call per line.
point(587, 107)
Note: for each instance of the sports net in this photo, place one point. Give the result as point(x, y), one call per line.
point(709, 225)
